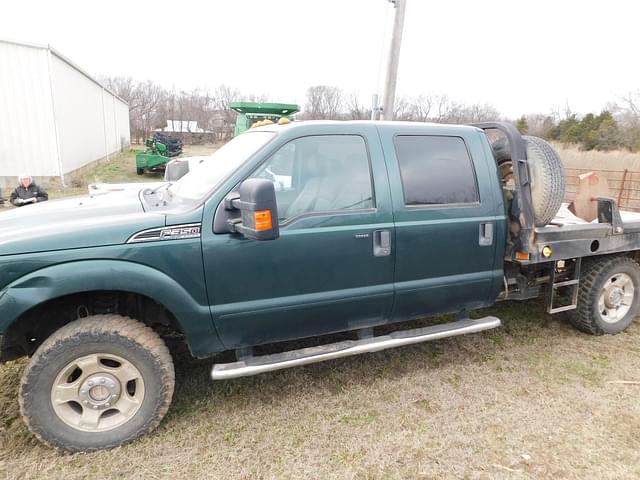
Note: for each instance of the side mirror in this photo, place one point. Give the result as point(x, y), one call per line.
point(175, 170)
point(256, 201)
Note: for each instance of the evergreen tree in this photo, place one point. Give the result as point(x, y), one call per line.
point(592, 132)
point(522, 125)
point(608, 134)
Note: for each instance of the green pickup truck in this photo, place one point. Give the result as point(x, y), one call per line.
point(293, 244)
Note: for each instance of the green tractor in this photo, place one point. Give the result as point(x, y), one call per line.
point(251, 112)
point(160, 149)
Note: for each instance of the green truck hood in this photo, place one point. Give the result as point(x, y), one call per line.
point(77, 222)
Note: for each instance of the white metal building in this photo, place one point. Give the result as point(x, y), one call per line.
point(54, 117)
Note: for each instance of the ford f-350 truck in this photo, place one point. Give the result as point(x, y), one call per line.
point(369, 225)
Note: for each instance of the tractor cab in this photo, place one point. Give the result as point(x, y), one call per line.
point(252, 112)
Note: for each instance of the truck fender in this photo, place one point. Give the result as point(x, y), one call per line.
point(69, 278)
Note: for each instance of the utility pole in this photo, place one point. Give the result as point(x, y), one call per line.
point(389, 94)
point(374, 107)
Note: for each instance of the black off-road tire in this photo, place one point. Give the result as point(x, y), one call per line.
point(595, 273)
point(139, 171)
point(101, 334)
point(547, 176)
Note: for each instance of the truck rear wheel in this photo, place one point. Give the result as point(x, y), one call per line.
point(546, 171)
point(96, 383)
point(608, 296)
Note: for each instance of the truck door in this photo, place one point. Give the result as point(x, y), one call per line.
point(449, 219)
point(331, 269)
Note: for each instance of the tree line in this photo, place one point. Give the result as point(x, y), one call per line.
point(331, 103)
point(151, 105)
point(617, 127)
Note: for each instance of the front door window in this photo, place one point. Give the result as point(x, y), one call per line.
point(319, 174)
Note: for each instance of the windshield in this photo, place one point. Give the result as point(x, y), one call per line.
point(204, 177)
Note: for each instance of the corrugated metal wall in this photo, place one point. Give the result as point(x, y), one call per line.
point(41, 90)
point(78, 107)
point(123, 124)
point(27, 130)
point(87, 117)
point(116, 114)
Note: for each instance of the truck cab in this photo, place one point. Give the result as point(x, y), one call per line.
point(378, 223)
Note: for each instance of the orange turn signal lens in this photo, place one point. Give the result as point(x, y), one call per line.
point(522, 256)
point(262, 220)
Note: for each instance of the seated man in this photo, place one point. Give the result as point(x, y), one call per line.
point(27, 192)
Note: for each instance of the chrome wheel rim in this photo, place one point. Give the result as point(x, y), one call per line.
point(616, 298)
point(97, 392)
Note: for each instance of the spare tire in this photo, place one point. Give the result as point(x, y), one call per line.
point(546, 172)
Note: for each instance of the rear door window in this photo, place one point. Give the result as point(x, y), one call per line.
point(435, 170)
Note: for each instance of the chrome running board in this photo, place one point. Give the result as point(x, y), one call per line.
point(266, 363)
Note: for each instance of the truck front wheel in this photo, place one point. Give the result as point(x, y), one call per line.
point(608, 297)
point(96, 383)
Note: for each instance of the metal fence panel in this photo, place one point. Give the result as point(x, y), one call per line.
point(624, 185)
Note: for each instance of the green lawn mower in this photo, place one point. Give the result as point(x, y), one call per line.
point(159, 150)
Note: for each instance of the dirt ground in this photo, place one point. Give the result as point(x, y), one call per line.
point(534, 399)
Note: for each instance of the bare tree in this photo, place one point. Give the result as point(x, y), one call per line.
point(124, 87)
point(130, 91)
point(442, 106)
point(627, 114)
point(197, 106)
point(422, 106)
point(263, 97)
point(539, 125)
point(151, 105)
point(323, 102)
point(403, 109)
point(354, 110)
point(314, 102)
point(148, 115)
point(222, 96)
point(480, 112)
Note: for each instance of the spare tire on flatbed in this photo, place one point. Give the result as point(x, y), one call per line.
point(545, 170)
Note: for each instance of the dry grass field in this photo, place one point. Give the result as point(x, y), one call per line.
point(615, 160)
point(624, 187)
point(534, 399)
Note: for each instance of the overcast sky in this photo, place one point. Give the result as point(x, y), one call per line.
point(520, 56)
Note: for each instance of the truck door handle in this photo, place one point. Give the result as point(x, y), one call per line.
point(381, 243)
point(486, 234)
